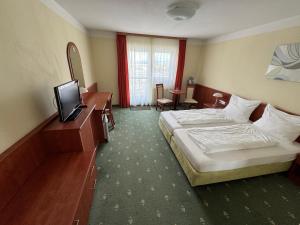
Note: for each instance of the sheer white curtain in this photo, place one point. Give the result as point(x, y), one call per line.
point(139, 68)
point(150, 61)
point(164, 61)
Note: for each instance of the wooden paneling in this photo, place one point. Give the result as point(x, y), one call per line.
point(19, 161)
point(203, 94)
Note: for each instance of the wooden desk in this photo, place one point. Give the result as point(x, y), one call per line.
point(176, 96)
point(100, 99)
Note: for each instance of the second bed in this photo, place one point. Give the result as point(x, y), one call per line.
point(201, 168)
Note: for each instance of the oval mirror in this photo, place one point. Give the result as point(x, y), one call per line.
point(75, 65)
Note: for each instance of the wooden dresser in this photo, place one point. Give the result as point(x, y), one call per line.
point(49, 176)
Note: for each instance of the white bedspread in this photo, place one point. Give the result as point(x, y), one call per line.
point(219, 161)
point(203, 116)
point(172, 124)
point(230, 138)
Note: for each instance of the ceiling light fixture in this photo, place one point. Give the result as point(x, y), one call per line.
point(182, 10)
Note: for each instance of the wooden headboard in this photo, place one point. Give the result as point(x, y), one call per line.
point(203, 94)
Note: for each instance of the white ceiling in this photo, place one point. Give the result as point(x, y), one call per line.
point(214, 17)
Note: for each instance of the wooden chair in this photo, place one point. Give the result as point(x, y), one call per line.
point(189, 101)
point(160, 100)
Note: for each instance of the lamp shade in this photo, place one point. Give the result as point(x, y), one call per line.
point(218, 95)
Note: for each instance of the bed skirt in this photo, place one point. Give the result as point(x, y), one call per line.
point(168, 135)
point(201, 178)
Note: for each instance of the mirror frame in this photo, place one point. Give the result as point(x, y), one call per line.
point(70, 46)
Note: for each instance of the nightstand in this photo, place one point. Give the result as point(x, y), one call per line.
point(212, 105)
point(294, 172)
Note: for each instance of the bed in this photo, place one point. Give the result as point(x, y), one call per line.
point(201, 168)
point(237, 111)
point(168, 123)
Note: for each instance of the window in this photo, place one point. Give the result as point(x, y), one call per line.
point(150, 61)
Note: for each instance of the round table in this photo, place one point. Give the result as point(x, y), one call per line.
point(176, 94)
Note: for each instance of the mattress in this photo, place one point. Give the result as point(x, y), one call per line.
point(171, 123)
point(168, 135)
point(233, 159)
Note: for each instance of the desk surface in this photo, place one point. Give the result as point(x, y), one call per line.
point(177, 92)
point(99, 99)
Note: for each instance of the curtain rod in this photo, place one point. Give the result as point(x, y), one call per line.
point(150, 35)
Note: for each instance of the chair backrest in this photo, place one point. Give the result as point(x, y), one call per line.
point(159, 91)
point(190, 91)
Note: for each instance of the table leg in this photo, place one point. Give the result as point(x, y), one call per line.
point(175, 101)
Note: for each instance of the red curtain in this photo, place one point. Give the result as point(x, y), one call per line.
point(180, 65)
point(123, 80)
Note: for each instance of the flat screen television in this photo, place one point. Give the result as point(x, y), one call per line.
point(68, 100)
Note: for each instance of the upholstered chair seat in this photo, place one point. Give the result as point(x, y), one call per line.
point(164, 101)
point(189, 100)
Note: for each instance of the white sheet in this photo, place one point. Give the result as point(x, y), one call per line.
point(230, 138)
point(203, 116)
point(203, 162)
point(171, 123)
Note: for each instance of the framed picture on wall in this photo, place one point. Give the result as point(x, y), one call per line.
point(285, 63)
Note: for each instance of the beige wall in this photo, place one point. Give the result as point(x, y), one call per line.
point(104, 55)
point(193, 62)
point(33, 59)
point(239, 66)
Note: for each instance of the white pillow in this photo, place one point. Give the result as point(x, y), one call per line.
point(240, 109)
point(279, 124)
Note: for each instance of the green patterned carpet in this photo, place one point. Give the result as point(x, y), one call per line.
point(140, 182)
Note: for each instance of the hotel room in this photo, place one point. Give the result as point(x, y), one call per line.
point(170, 112)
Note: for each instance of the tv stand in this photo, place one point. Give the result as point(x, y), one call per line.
point(83, 106)
point(75, 114)
point(84, 133)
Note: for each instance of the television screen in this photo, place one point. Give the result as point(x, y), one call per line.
point(68, 100)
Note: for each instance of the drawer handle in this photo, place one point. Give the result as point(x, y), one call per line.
point(93, 168)
point(77, 222)
point(95, 182)
point(94, 187)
